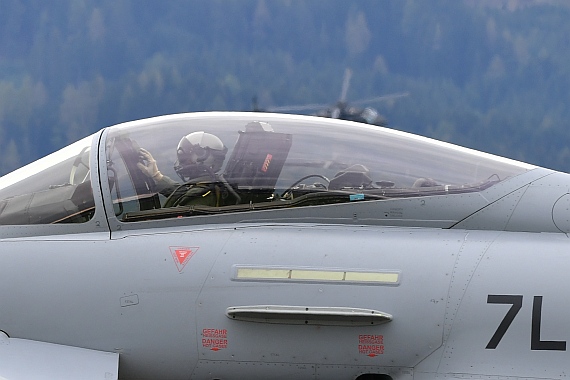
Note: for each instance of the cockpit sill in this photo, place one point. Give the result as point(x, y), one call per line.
point(315, 197)
point(431, 211)
point(443, 210)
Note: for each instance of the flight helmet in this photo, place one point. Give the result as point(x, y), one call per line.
point(198, 154)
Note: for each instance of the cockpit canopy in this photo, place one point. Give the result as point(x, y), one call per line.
point(54, 189)
point(271, 161)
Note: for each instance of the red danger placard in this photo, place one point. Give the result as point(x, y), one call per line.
point(215, 339)
point(371, 345)
point(182, 255)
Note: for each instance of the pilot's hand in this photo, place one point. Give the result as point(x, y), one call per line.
point(148, 166)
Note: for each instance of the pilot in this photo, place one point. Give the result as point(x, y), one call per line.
point(200, 156)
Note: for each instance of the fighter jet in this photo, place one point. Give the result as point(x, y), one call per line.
point(268, 246)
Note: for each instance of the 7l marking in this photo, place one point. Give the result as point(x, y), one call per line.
point(516, 301)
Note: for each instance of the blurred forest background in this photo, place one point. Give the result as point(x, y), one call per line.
point(488, 74)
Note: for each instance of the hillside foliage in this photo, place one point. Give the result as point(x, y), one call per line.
point(493, 75)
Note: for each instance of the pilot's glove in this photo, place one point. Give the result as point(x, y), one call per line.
point(148, 166)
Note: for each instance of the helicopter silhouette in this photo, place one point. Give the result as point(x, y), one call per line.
point(341, 109)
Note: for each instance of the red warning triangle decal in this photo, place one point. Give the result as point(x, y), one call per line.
point(182, 255)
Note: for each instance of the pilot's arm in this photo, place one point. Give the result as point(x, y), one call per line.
point(148, 167)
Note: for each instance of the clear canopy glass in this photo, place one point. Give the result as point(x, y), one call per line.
point(54, 189)
point(275, 161)
point(212, 163)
